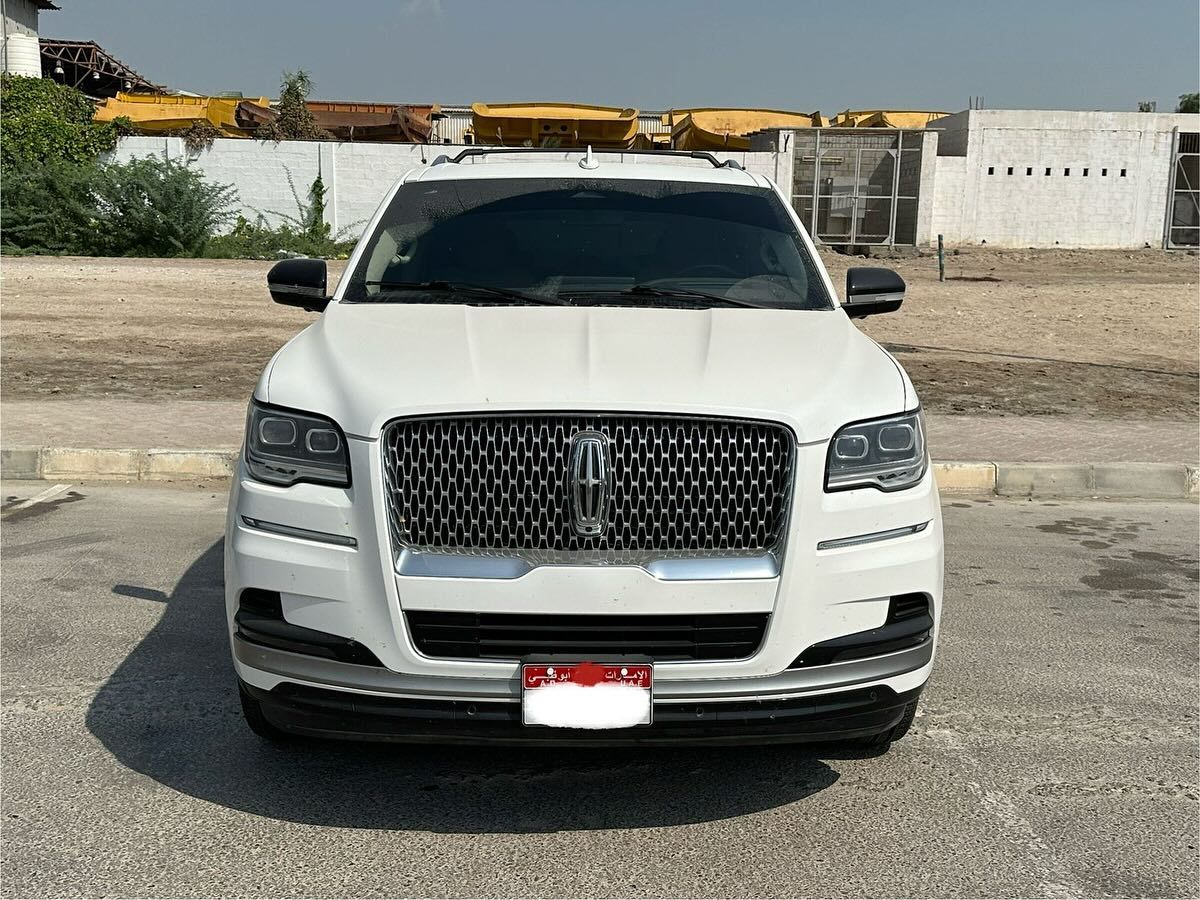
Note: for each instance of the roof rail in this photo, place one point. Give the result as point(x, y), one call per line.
point(470, 152)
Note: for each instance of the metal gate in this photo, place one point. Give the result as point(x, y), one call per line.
point(858, 186)
point(1183, 198)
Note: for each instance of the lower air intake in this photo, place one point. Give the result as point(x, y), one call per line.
point(661, 637)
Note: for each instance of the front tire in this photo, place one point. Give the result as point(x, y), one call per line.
point(253, 713)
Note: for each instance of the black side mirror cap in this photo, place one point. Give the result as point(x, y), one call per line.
point(299, 282)
point(871, 291)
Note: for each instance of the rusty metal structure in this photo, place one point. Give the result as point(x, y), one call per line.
point(92, 70)
point(351, 121)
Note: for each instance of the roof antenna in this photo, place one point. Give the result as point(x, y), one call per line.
point(588, 161)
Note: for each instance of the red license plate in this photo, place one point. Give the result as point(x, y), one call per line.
point(587, 695)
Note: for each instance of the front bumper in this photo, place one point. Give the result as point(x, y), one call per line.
point(902, 671)
point(324, 713)
point(355, 592)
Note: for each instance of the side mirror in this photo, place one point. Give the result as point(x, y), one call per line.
point(870, 291)
point(299, 282)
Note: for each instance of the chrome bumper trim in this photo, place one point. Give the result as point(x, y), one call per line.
point(730, 568)
point(855, 540)
point(464, 565)
point(460, 565)
point(791, 683)
point(324, 537)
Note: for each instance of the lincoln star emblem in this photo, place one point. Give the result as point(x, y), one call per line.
point(589, 484)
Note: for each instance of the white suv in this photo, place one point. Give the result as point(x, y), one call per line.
point(583, 448)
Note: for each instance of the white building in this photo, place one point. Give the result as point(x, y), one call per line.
point(19, 52)
point(1042, 178)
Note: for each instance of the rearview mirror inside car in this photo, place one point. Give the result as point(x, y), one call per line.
point(299, 282)
point(870, 291)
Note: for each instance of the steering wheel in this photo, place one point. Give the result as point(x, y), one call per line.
point(702, 269)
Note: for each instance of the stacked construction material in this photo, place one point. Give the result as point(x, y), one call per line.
point(554, 125)
point(728, 129)
point(239, 117)
point(159, 113)
point(348, 121)
point(885, 118)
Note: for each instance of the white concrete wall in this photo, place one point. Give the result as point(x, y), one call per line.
point(356, 175)
point(952, 133)
point(950, 174)
point(927, 196)
point(958, 199)
point(1032, 209)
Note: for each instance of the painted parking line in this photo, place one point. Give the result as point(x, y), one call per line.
point(48, 494)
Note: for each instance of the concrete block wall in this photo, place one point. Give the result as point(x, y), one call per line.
point(928, 188)
point(1078, 179)
point(950, 175)
point(952, 133)
point(269, 177)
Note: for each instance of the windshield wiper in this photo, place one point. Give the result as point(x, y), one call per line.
point(648, 290)
point(462, 287)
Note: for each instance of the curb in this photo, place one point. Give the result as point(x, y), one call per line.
point(1004, 479)
point(128, 465)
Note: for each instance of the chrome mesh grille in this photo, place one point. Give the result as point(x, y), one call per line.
point(498, 485)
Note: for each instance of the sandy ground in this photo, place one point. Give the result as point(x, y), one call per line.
point(1099, 333)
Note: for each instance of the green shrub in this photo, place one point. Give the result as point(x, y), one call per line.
point(57, 198)
point(43, 122)
point(294, 120)
point(306, 233)
point(258, 240)
point(157, 207)
point(145, 207)
point(48, 208)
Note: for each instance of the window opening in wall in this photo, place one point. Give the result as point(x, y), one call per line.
point(1067, 172)
point(1085, 171)
point(1104, 173)
point(1010, 168)
point(1047, 170)
point(1029, 171)
point(1122, 173)
point(991, 170)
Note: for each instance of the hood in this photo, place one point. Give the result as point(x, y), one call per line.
point(364, 364)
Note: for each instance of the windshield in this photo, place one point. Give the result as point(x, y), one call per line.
point(586, 241)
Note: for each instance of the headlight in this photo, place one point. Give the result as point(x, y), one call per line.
point(285, 447)
point(888, 454)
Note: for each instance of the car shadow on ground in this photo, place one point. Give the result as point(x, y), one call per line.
point(170, 711)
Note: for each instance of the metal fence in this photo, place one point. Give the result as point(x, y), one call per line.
point(1183, 198)
point(858, 186)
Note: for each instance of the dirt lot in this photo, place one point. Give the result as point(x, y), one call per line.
point(1100, 333)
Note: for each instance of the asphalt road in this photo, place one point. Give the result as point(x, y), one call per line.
point(1056, 753)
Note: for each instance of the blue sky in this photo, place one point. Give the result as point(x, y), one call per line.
point(1053, 54)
